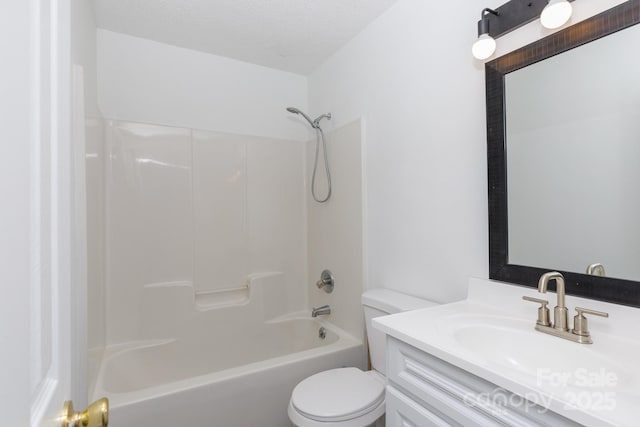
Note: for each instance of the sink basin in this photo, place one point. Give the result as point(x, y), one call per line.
point(514, 344)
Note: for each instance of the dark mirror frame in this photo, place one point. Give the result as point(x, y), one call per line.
point(608, 289)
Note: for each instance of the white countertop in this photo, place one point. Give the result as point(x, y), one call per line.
point(491, 334)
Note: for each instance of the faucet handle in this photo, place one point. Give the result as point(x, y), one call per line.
point(326, 281)
point(543, 310)
point(544, 302)
point(580, 324)
point(581, 310)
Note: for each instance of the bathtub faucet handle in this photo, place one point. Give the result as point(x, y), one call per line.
point(325, 309)
point(326, 281)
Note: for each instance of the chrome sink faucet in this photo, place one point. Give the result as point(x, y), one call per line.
point(560, 312)
point(325, 309)
point(560, 328)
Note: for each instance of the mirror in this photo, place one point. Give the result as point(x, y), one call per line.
point(573, 145)
point(563, 125)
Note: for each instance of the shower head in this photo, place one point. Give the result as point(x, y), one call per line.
point(296, 111)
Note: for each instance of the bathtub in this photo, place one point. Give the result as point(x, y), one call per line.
point(220, 376)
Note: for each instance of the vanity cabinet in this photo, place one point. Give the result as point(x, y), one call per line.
point(424, 390)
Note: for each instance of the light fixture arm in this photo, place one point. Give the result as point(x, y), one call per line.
point(483, 23)
point(488, 10)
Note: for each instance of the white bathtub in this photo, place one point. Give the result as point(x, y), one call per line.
point(221, 380)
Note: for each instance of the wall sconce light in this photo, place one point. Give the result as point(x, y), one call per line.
point(514, 14)
point(485, 45)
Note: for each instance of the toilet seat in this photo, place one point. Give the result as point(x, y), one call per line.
point(336, 396)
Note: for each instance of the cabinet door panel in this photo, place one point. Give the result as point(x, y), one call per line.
point(404, 412)
point(460, 395)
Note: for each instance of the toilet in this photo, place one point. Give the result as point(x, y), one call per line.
point(350, 397)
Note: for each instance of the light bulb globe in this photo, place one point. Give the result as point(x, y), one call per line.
point(556, 14)
point(483, 47)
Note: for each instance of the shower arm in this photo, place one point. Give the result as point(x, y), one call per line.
point(316, 122)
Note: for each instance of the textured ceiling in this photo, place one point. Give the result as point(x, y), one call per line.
point(291, 35)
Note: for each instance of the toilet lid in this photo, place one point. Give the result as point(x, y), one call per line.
point(337, 395)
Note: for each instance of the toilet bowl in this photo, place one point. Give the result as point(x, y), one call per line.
point(345, 397)
point(350, 397)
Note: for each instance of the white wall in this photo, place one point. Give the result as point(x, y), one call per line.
point(145, 81)
point(411, 75)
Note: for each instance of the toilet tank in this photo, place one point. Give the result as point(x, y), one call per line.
point(381, 302)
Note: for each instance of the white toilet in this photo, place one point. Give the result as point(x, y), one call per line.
point(349, 397)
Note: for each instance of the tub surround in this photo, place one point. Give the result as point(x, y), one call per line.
point(335, 235)
point(95, 170)
point(204, 208)
point(491, 335)
point(183, 368)
point(206, 293)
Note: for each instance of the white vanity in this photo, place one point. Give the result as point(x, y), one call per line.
point(481, 362)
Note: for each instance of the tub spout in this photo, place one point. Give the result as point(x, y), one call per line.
point(325, 309)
